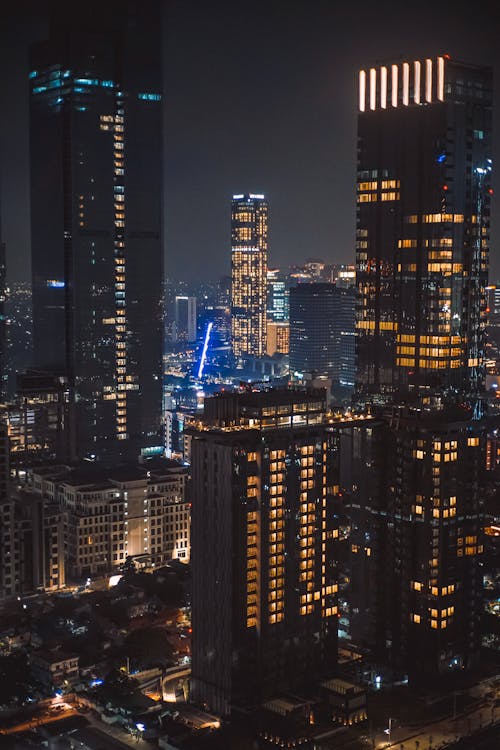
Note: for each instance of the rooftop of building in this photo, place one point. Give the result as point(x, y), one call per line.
point(97, 477)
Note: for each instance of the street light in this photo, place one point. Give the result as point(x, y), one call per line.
point(389, 729)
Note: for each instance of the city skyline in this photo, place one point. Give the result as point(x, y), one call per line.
point(303, 159)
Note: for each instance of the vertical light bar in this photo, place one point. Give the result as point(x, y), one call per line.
point(373, 88)
point(394, 85)
point(440, 81)
point(383, 87)
point(428, 80)
point(416, 81)
point(406, 84)
point(362, 90)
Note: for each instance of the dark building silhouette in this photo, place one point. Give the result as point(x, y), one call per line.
point(96, 208)
point(424, 163)
point(322, 331)
point(3, 319)
point(264, 535)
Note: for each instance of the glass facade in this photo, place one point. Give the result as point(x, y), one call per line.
point(96, 202)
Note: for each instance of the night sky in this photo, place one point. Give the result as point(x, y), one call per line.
point(259, 96)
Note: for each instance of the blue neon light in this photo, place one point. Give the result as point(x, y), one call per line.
point(441, 158)
point(33, 74)
point(204, 352)
point(149, 97)
point(87, 81)
point(107, 84)
point(39, 89)
point(55, 284)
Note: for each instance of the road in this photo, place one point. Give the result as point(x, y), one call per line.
point(38, 721)
point(440, 733)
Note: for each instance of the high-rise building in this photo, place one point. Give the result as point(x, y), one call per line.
point(312, 320)
point(264, 540)
point(322, 331)
point(278, 337)
point(96, 209)
point(185, 319)
point(424, 163)
point(277, 296)
point(249, 239)
point(3, 319)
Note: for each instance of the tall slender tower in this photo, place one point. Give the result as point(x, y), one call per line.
point(96, 204)
point(424, 164)
point(249, 230)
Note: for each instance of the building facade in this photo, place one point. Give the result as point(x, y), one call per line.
point(185, 320)
point(424, 167)
point(264, 537)
point(424, 163)
point(249, 247)
point(109, 516)
point(96, 208)
point(322, 331)
point(37, 420)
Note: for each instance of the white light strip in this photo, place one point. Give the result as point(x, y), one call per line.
point(406, 84)
point(383, 87)
point(362, 90)
point(373, 88)
point(440, 82)
point(428, 80)
point(416, 81)
point(394, 85)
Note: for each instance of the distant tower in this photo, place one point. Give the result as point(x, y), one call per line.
point(185, 319)
point(249, 232)
point(96, 212)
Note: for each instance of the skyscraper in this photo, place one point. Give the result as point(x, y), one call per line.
point(96, 204)
point(424, 163)
point(185, 319)
point(249, 230)
point(264, 534)
point(3, 318)
point(322, 331)
point(277, 296)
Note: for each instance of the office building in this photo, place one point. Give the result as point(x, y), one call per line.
point(249, 246)
point(264, 537)
point(133, 511)
point(277, 296)
point(322, 331)
point(424, 164)
point(184, 329)
point(96, 212)
point(278, 337)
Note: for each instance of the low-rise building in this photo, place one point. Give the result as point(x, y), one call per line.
point(134, 511)
point(54, 668)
